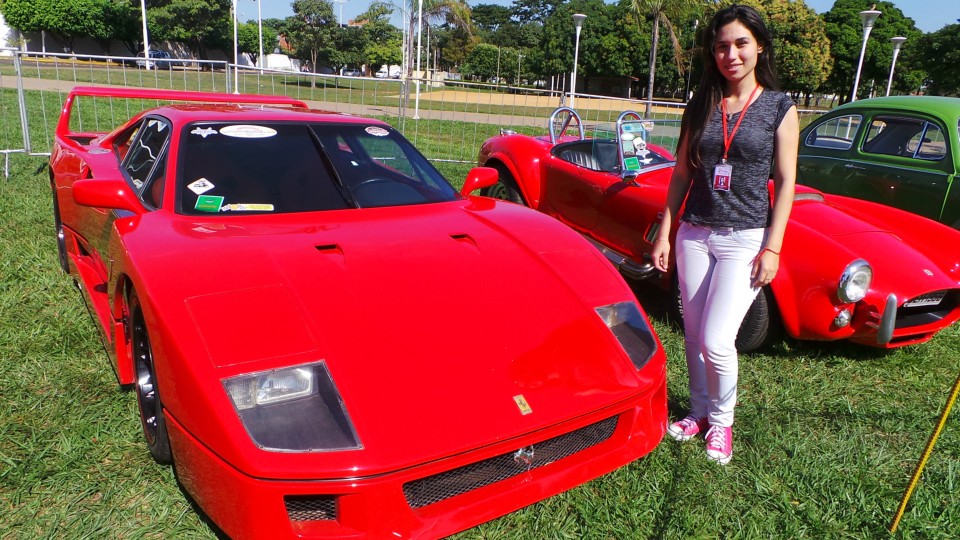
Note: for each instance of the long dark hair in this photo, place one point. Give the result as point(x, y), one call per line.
point(700, 108)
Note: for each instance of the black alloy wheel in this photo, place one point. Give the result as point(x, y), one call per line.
point(148, 394)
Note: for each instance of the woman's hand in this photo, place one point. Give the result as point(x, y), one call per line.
point(765, 267)
point(661, 255)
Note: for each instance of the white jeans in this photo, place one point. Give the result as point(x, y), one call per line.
point(713, 267)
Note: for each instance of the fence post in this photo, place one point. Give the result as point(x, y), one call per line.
point(21, 101)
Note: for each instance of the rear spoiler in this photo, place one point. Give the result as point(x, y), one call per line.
point(63, 125)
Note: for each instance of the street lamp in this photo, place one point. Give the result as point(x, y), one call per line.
point(260, 33)
point(416, 103)
point(146, 42)
point(236, 80)
point(341, 2)
point(519, 59)
point(577, 20)
point(897, 42)
point(868, 17)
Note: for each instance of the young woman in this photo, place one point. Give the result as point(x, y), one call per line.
point(729, 237)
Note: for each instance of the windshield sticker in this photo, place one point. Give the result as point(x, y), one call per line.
point(248, 132)
point(631, 164)
point(208, 203)
point(203, 132)
point(247, 207)
point(377, 131)
point(200, 186)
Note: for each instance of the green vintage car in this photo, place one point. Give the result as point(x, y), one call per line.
point(900, 151)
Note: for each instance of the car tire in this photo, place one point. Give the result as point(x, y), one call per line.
point(148, 392)
point(61, 235)
point(760, 326)
point(505, 189)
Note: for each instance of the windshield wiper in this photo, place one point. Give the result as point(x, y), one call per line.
point(332, 169)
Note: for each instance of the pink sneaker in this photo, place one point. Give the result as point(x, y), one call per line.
point(684, 430)
point(720, 444)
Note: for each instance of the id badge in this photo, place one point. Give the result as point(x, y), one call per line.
point(721, 176)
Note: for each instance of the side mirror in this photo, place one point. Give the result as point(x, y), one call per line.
point(479, 178)
point(107, 193)
point(630, 177)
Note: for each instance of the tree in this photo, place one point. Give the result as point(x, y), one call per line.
point(64, 20)
point(200, 24)
point(534, 11)
point(484, 61)
point(663, 12)
point(248, 39)
point(845, 31)
point(939, 54)
point(382, 42)
point(801, 45)
point(490, 17)
point(311, 31)
point(605, 50)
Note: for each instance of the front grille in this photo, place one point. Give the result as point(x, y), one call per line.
point(311, 507)
point(908, 317)
point(438, 487)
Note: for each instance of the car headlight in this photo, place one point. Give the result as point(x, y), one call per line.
point(630, 328)
point(855, 281)
point(294, 409)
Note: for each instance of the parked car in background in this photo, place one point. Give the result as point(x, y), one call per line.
point(158, 60)
point(350, 72)
point(850, 269)
point(901, 151)
point(381, 74)
point(293, 296)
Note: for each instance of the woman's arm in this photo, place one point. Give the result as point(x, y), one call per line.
point(787, 139)
point(676, 193)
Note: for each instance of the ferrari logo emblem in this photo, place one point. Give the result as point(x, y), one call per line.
point(522, 404)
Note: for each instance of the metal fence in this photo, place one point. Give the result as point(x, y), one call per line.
point(447, 120)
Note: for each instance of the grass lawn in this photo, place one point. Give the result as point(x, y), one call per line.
point(827, 434)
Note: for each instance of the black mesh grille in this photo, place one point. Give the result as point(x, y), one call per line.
point(311, 507)
point(438, 487)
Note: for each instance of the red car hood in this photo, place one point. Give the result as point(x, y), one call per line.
point(900, 264)
point(430, 319)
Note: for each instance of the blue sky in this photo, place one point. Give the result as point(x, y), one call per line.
point(929, 15)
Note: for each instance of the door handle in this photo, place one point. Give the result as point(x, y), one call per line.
point(852, 166)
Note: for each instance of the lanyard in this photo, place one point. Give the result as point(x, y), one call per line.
point(723, 106)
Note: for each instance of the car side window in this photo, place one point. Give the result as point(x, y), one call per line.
point(144, 162)
point(932, 145)
point(896, 136)
point(836, 133)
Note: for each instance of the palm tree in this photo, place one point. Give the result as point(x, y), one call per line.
point(453, 12)
point(665, 12)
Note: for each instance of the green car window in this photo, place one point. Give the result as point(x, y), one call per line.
point(904, 137)
point(836, 133)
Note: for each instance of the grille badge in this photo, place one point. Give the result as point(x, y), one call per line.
point(524, 457)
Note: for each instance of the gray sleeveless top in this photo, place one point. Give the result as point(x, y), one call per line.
point(747, 204)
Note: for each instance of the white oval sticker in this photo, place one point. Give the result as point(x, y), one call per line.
point(248, 132)
point(377, 131)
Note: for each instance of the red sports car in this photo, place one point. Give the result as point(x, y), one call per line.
point(850, 269)
point(294, 297)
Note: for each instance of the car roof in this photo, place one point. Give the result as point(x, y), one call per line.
point(947, 107)
point(225, 112)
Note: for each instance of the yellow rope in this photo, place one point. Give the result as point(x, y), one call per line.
point(925, 456)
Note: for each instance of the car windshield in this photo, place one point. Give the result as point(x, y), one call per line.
point(298, 167)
